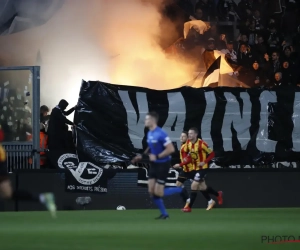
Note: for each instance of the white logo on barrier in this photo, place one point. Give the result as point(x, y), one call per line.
point(70, 161)
point(176, 175)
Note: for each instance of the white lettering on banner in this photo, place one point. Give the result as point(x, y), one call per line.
point(71, 187)
point(100, 189)
point(176, 109)
point(241, 122)
point(296, 121)
point(84, 188)
point(135, 127)
point(207, 118)
point(262, 140)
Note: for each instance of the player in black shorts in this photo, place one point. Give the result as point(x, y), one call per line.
point(159, 151)
point(200, 155)
point(6, 191)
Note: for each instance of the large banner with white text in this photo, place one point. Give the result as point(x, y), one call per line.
point(245, 127)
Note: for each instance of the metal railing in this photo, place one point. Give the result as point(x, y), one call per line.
point(18, 155)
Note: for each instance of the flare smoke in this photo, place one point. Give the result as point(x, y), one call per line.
point(115, 41)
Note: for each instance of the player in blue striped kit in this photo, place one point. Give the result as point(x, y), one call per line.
point(159, 151)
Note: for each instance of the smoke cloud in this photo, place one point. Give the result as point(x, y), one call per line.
point(115, 41)
point(141, 62)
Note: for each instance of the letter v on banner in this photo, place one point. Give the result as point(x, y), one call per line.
point(262, 141)
point(176, 117)
point(239, 118)
point(135, 120)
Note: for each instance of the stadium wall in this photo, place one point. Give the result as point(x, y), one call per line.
point(251, 189)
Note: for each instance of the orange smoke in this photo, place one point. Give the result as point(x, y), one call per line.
point(132, 30)
point(82, 41)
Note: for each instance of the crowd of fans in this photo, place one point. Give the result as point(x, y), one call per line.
point(265, 52)
point(15, 115)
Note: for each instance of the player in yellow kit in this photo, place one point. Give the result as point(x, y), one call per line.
point(200, 155)
point(186, 170)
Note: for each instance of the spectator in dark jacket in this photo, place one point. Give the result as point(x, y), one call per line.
point(245, 56)
point(245, 8)
point(289, 74)
point(260, 5)
point(273, 65)
point(221, 42)
point(212, 33)
point(296, 40)
point(187, 6)
point(242, 39)
point(208, 9)
point(252, 33)
point(289, 55)
point(57, 128)
point(256, 76)
point(44, 110)
point(277, 82)
point(260, 48)
point(199, 14)
point(275, 39)
point(245, 60)
point(258, 22)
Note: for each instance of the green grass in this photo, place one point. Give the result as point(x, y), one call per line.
point(219, 229)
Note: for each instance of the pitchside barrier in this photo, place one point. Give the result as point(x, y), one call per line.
point(20, 104)
point(247, 188)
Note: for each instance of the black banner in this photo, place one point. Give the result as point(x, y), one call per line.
point(245, 127)
point(82, 177)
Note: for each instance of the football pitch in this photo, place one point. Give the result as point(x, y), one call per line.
point(219, 229)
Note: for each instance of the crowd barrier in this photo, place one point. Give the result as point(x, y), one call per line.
point(250, 188)
point(18, 155)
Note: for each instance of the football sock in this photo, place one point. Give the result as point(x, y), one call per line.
point(160, 204)
point(210, 190)
point(184, 195)
point(206, 195)
point(24, 196)
point(194, 194)
point(173, 190)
